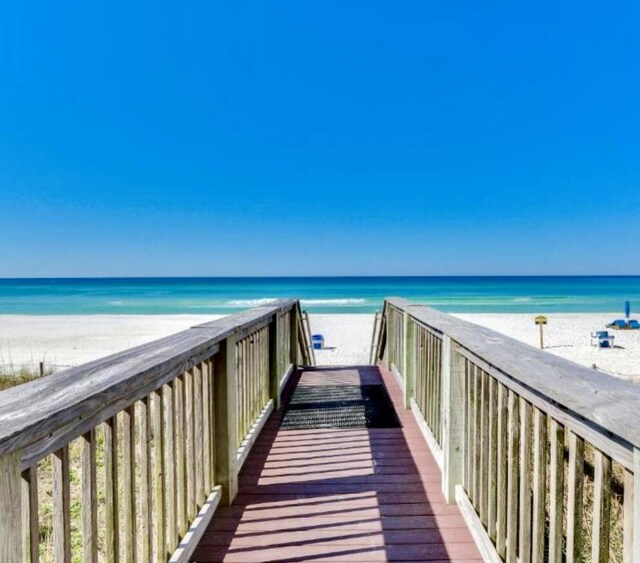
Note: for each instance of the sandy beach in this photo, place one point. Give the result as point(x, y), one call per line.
point(62, 341)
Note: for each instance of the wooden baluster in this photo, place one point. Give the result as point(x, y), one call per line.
point(492, 462)
point(477, 442)
point(11, 540)
point(226, 413)
point(601, 508)
point(206, 428)
point(472, 431)
point(574, 504)
point(539, 485)
point(168, 447)
point(525, 482)
point(628, 516)
point(439, 389)
point(484, 447)
point(180, 455)
point(146, 544)
point(212, 421)
point(199, 468)
point(501, 462)
point(89, 498)
point(556, 490)
point(30, 513)
point(513, 445)
point(128, 486)
point(112, 546)
point(61, 506)
point(190, 453)
point(159, 515)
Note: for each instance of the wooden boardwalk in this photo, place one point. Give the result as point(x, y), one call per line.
point(339, 495)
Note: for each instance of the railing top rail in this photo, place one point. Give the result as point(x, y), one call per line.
point(33, 410)
point(602, 400)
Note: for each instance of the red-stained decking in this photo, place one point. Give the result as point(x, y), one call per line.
point(340, 495)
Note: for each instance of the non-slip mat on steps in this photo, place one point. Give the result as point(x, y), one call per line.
point(339, 406)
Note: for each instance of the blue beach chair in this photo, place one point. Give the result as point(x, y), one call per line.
point(618, 323)
point(633, 324)
point(602, 339)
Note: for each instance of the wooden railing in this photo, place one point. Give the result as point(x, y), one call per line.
point(540, 453)
point(126, 458)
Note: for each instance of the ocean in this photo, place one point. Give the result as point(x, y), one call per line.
point(161, 296)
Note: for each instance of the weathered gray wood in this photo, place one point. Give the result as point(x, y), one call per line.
point(180, 453)
point(619, 450)
point(628, 516)
point(112, 528)
point(524, 527)
point(168, 452)
point(452, 369)
point(539, 485)
point(226, 425)
point(159, 515)
point(128, 486)
point(190, 452)
point(513, 445)
point(294, 319)
point(556, 490)
point(146, 480)
point(61, 404)
point(11, 513)
point(574, 500)
point(636, 505)
point(469, 435)
point(198, 436)
point(484, 447)
point(609, 405)
point(601, 508)
point(89, 498)
point(275, 368)
point(409, 349)
point(206, 427)
point(30, 521)
point(501, 462)
point(492, 476)
point(61, 507)
point(212, 421)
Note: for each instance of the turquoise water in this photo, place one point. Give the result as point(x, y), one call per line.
point(151, 296)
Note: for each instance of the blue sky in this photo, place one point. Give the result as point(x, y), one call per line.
point(276, 138)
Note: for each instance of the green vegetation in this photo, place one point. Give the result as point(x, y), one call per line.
point(9, 378)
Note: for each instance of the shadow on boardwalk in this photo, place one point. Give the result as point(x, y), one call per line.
point(339, 495)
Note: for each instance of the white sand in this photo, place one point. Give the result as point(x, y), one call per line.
point(63, 341)
point(568, 335)
point(348, 338)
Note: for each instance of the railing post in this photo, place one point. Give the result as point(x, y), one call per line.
point(226, 419)
point(10, 508)
point(275, 345)
point(452, 418)
point(409, 352)
point(390, 339)
point(293, 348)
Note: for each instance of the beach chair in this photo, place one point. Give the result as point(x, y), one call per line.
point(602, 339)
point(633, 324)
point(618, 323)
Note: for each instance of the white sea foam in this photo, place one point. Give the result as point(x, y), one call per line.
point(235, 303)
point(249, 302)
point(316, 302)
